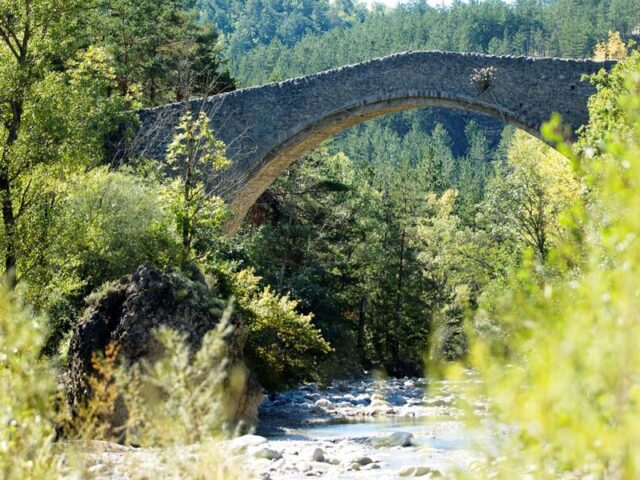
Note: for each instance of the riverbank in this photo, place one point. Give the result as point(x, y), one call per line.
point(391, 428)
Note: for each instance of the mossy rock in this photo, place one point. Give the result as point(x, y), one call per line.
point(126, 313)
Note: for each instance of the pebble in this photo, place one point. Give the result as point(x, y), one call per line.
point(318, 455)
point(241, 444)
point(440, 401)
point(419, 472)
point(397, 400)
point(97, 469)
point(324, 403)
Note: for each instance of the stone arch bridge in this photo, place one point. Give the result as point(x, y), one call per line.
point(268, 128)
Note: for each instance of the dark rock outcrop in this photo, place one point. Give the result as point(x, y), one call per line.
point(126, 313)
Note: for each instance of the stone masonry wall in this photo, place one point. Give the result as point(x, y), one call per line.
point(267, 128)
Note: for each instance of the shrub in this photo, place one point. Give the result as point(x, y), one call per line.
point(183, 397)
point(106, 225)
point(27, 393)
point(178, 400)
point(283, 346)
point(569, 383)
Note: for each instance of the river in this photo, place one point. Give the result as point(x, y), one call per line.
point(390, 428)
point(368, 429)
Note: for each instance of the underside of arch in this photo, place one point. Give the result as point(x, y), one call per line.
point(300, 141)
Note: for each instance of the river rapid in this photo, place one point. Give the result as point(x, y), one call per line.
point(380, 429)
point(389, 428)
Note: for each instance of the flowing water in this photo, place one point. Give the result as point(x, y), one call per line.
point(380, 429)
point(368, 429)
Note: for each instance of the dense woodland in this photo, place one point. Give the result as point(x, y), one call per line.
point(427, 240)
point(555, 28)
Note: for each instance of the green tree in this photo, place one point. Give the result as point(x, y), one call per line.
point(160, 52)
point(53, 101)
point(526, 196)
point(472, 171)
point(195, 155)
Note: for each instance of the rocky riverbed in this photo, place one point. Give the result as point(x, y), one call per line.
point(393, 428)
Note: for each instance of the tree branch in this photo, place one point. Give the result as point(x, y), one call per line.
point(7, 41)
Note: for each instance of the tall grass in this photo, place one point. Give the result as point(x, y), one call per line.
point(27, 397)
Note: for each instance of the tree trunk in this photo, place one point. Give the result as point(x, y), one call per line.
point(395, 347)
point(8, 215)
point(362, 320)
point(187, 227)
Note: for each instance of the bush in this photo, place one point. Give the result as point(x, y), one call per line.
point(283, 346)
point(27, 394)
point(183, 397)
point(569, 382)
point(177, 400)
point(106, 225)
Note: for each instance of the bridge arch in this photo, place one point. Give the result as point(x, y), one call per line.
point(268, 128)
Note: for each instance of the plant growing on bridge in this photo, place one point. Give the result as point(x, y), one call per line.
point(195, 155)
point(483, 77)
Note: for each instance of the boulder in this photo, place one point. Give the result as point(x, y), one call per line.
point(126, 312)
point(318, 455)
point(267, 454)
point(396, 439)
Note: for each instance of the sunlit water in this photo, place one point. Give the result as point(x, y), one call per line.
point(349, 423)
point(442, 440)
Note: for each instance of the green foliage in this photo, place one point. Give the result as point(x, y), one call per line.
point(180, 398)
point(27, 393)
point(195, 155)
point(571, 385)
point(160, 52)
point(384, 239)
point(604, 108)
point(247, 24)
point(104, 226)
point(563, 28)
point(283, 345)
point(343, 237)
point(527, 194)
point(183, 397)
point(56, 112)
point(441, 240)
